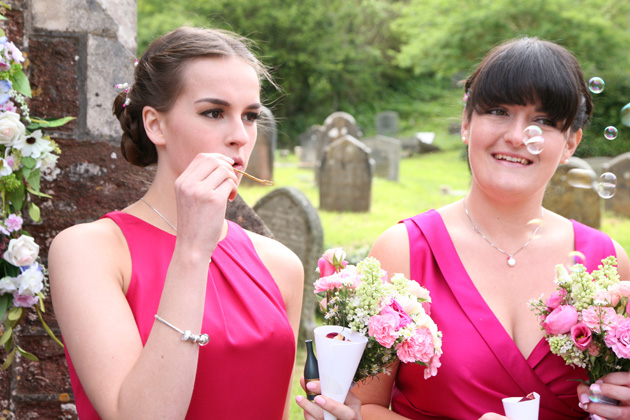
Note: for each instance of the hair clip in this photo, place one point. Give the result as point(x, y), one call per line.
point(126, 87)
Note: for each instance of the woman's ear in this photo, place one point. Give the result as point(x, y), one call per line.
point(153, 120)
point(464, 129)
point(572, 144)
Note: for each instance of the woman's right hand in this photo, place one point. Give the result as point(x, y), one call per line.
point(350, 410)
point(202, 191)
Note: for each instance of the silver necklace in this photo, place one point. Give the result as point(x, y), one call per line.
point(158, 213)
point(511, 261)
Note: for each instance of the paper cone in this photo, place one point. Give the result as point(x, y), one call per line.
point(523, 410)
point(337, 361)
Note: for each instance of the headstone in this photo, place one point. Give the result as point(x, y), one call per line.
point(338, 124)
point(296, 224)
point(308, 144)
point(239, 212)
point(261, 160)
point(387, 123)
point(345, 176)
point(581, 204)
point(426, 142)
point(620, 202)
point(386, 154)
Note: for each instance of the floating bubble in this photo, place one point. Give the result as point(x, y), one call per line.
point(574, 257)
point(625, 115)
point(536, 224)
point(610, 132)
point(596, 84)
point(533, 139)
point(581, 178)
point(607, 186)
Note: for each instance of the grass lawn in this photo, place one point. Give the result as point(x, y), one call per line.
point(426, 182)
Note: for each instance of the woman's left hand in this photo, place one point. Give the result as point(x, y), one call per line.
point(350, 410)
point(614, 385)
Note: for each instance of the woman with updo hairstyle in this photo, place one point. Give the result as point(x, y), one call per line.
point(167, 309)
point(484, 257)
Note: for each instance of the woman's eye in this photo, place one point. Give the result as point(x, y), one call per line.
point(213, 113)
point(496, 111)
point(546, 121)
point(252, 116)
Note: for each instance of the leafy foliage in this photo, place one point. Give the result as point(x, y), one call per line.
point(366, 56)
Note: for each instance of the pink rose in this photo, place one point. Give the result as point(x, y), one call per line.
point(581, 336)
point(331, 262)
point(383, 328)
point(596, 316)
point(25, 301)
point(396, 309)
point(556, 299)
point(593, 349)
point(608, 297)
point(618, 338)
point(560, 320)
point(623, 288)
point(418, 347)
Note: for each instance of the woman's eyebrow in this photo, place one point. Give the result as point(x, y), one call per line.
point(224, 103)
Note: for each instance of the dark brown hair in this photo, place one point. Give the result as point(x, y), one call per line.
point(531, 71)
point(158, 81)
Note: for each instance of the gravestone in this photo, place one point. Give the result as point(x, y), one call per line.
point(426, 142)
point(581, 204)
point(295, 223)
point(308, 144)
point(338, 124)
point(261, 160)
point(345, 176)
point(386, 154)
point(620, 202)
point(387, 123)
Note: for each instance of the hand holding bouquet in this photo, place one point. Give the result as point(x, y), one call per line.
point(586, 320)
point(393, 314)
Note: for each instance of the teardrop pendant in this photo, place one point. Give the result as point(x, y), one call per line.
point(511, 261)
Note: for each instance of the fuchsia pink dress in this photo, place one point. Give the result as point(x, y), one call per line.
point(245, 370)
point(481, 364)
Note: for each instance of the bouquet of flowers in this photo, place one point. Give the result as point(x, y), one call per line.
point(393, 314)
point(586, 319)
point(26, 155)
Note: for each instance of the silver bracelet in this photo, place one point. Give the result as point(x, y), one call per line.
point(201, 339)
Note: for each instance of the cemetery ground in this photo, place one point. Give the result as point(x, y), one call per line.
point(426, 182)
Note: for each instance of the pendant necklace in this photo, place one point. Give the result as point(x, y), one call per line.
point(158, 213)
point(511, 261)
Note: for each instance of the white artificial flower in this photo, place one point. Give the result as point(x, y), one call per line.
point(35, 146)
point(8, 285)
point(5, 168)
point(48, 168)
point(31, 281)
point(22, 251)
point(12, 130)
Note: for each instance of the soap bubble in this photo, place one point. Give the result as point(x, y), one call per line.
point(610, 132)
point(596, 84)
point(625, 115)
point(581, 178)
point(607, 186)
point(533, 139)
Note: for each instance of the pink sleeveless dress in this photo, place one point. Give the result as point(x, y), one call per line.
point(481, 364)
point(245, 370)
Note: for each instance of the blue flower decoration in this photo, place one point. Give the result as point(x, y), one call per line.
point(5, 88)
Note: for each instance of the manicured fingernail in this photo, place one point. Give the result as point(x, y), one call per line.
point(311, 386)
point(596, 417)
point(298, 398)
point(584, 399)
point(319, 400)
point(599, 381)
point(583, 406)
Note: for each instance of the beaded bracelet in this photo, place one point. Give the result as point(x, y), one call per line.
point(201, 339)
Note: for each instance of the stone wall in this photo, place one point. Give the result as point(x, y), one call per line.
point(77, 51)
